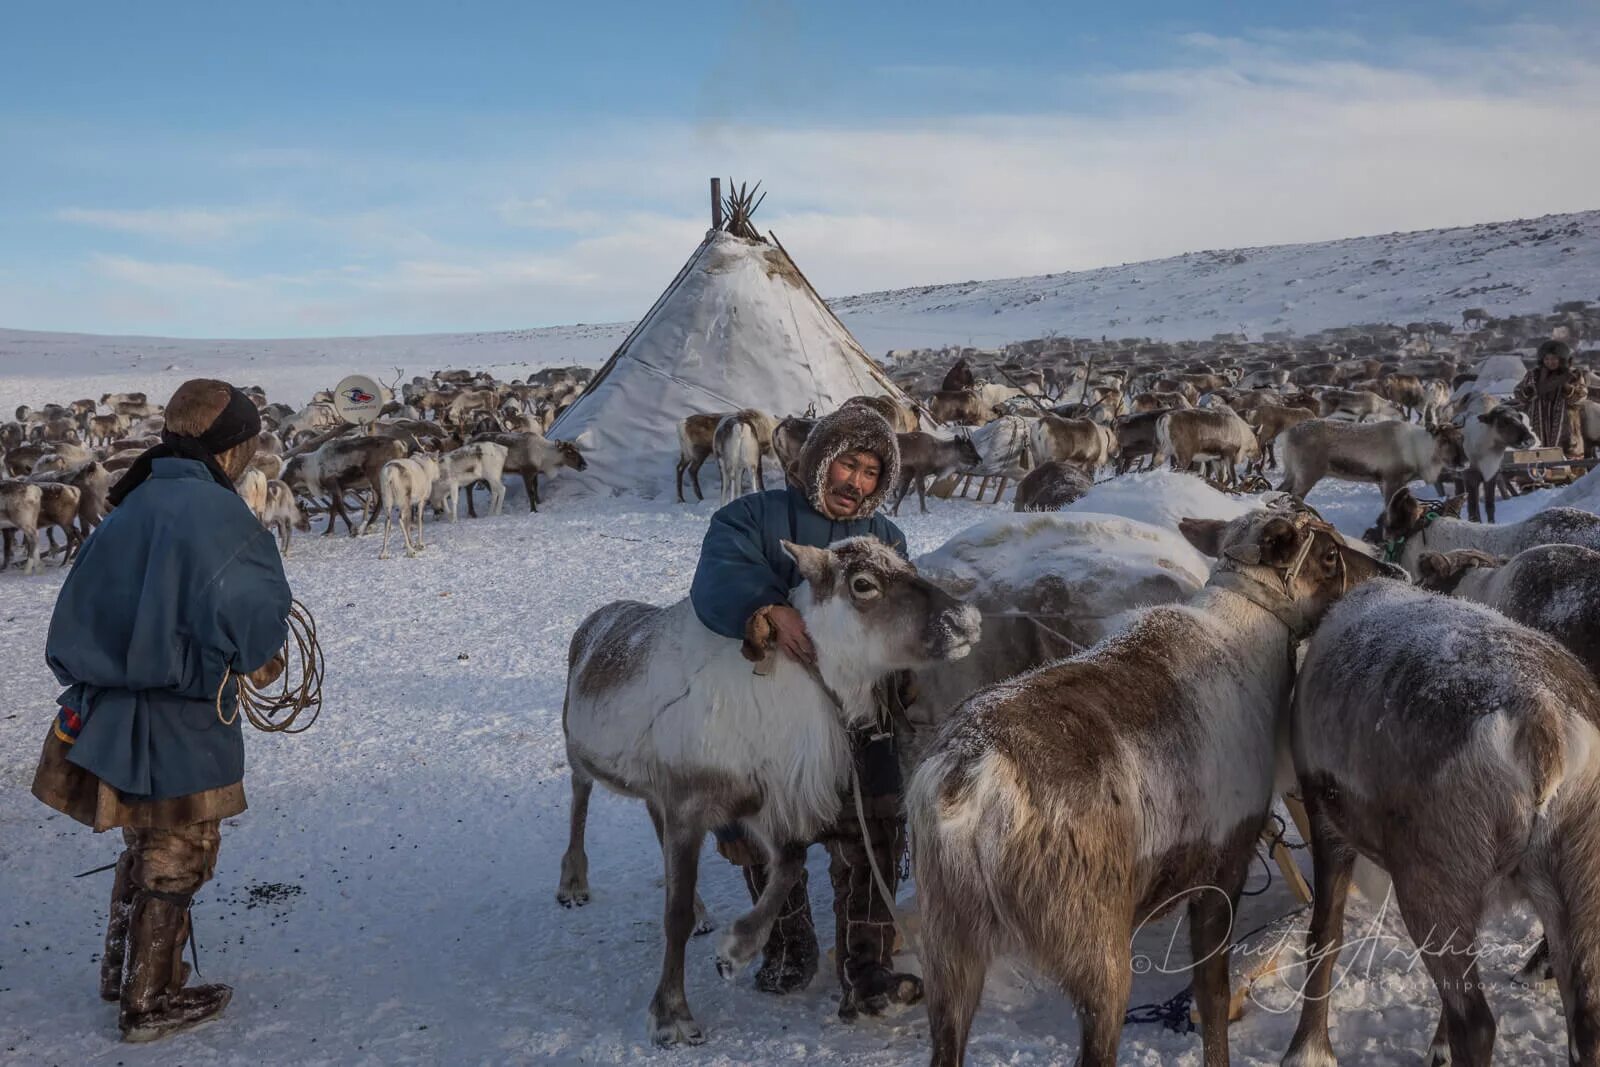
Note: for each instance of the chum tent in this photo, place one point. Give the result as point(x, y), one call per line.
point(739, 327)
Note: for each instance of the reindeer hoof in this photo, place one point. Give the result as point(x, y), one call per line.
point(669, 1032)
point(572, 898)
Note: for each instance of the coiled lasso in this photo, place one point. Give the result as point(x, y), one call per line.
point(306, 695)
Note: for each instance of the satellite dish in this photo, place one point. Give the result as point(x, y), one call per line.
point(358, 399)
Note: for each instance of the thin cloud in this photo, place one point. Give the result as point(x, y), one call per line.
point(184, 225)
point(1241, 142)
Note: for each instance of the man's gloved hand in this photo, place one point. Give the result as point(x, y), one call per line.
point(267, 673)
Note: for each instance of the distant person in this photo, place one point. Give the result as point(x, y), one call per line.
point(179, 585)
point(846, 467)
point(1554, 392)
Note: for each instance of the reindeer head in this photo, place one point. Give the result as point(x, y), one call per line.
point(869, 606)
point(570, 456)
point(970, 456)
point(1510, 428)
point(1404, 516)
point(1285, 558)
point(1441, 572)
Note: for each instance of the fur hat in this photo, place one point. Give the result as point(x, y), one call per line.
point(853, 428)
point(1560, 349)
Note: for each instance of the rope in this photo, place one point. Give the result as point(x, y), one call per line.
point(260, 710)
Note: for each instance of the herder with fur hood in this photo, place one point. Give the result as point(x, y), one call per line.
point(847, 466)
point(1554, 391)
point(178, 586)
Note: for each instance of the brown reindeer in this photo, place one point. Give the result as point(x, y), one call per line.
point(961, 407)
point(1051, 487)
point(696, 435)
point(1059, 811)
point(1271, 421)
point(924, 456)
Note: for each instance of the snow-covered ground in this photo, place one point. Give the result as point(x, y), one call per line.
point(389, 896)
point(1520, 266)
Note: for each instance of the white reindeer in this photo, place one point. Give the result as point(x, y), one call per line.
point(660, 708)
point(252, 489)
point(738, 455)
point(405, 486)
point(283, 513)
point(484, 461)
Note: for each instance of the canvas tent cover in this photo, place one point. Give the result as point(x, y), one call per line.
point(739, 327)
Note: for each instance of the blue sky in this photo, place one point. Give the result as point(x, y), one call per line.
point(286, 169)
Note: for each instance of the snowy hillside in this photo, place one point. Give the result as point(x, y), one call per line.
point(1504, 267)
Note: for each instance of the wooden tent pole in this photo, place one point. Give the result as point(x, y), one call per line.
point(716, 203)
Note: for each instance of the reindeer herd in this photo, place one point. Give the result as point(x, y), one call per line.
point(437, 438)
point(1431, 693)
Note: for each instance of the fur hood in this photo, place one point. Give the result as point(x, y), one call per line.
point(1560, 349)
point(853, 428)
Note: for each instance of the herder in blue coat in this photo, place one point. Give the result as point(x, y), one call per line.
point(848, 465)
point(178, 586)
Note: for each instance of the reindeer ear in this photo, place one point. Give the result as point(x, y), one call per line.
point(1434, 565)
point(815, 564)
point(1204, 534)
point(1452, 506)
point(1279, 542)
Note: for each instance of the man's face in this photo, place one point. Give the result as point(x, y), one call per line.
point(851, 478)
point(1552, 362)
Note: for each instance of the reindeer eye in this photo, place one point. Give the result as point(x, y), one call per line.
point(863, 587)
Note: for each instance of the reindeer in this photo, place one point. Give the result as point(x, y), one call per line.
point(1409, 527)
point(695, 445)
point(529, 455)
point(339, 465)
point(252, 489)
point(1470, 777)
point(1080, 441)
point(283, 514)
point(1485, 439)
point(962, 407)
point(660, 708)
point(738, 449)
point(20, 506)
point(103, 429)
point(1218, 435)
point(58, 507)
point(481, 462)
point(1552, 588)
point(1393, 454)
point(1050, 487)
point(900, 418)
point(788, 438)
point(924, 456)
point(1060, 810)
point(1272, 420)
point(407, 484)
point(1357, 405)
point(1136, 439)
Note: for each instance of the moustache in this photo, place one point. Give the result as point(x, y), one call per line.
point(848, 492)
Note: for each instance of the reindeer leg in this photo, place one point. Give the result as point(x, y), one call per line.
point(670, 1020)
point(682, 466)
point(1442, 915)
point(922, 495)
point(702, 916)
point(1568, 912)
point(1211, 915)
point(383, 550)
point(957, 948)
point(574, 889)
point(749, 932)
point(1333, 862)
point(694, 475)
point(472, 510)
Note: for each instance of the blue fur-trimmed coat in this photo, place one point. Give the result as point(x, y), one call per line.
point(178, 584)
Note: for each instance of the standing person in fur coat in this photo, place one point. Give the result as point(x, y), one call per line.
point(849, 462)
point(1554, 392)
point(177, 587)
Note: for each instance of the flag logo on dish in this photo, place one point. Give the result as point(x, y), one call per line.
point(358, 399)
